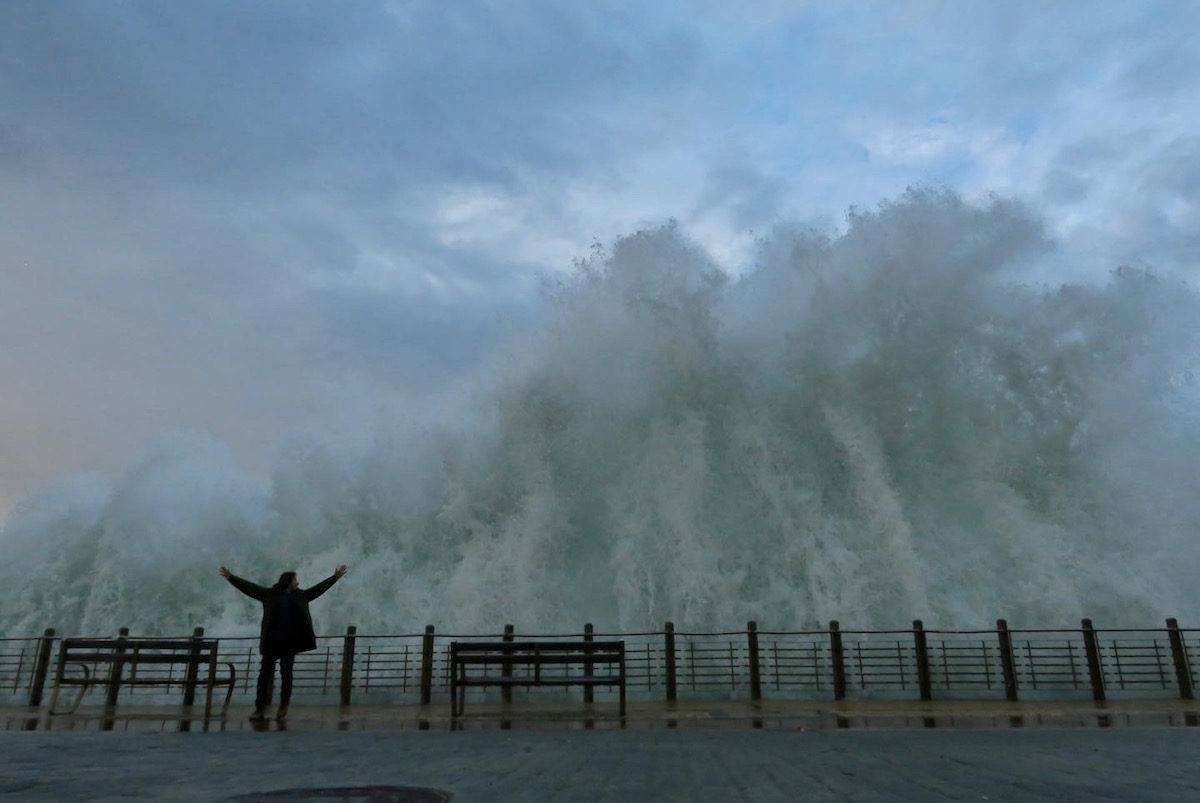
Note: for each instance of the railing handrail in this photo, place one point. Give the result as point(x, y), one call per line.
point(819, 632)
point(932, 662)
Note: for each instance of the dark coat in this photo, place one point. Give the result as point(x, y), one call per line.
point(271, 599)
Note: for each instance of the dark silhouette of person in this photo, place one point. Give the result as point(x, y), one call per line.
point(287, 629)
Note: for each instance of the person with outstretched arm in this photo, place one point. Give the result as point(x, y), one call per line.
point(287, 629)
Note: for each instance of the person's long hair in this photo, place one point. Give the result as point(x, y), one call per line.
point(285, 580)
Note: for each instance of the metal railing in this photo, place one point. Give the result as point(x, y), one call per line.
point(669, 665)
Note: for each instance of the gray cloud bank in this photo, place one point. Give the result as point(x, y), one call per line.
point(214, 215)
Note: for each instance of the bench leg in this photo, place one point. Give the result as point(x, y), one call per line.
point(229, 694)
point(208, 692)
point(54, 699)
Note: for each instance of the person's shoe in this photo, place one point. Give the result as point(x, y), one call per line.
point(281, 712)
point(259, 715)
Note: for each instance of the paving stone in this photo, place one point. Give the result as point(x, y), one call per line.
point(1132, 763)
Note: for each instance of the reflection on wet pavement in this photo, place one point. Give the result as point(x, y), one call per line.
point(725, 715)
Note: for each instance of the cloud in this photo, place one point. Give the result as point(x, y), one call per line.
point(916, 144)
point(231, 204)
point(208, 210)
point(747, 196)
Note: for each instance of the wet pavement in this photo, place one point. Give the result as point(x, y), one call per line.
point(710, 751)
point(705, 715)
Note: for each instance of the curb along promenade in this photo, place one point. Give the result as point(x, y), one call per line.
point(653, 764)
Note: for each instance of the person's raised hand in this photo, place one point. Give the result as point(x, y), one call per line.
point(225, 572)
point(339, 571)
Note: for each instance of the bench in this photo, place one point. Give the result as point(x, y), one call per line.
point(90, 655)
point(474, 664)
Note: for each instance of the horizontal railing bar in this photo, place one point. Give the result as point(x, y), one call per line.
point(816, 634)
point(801, 662)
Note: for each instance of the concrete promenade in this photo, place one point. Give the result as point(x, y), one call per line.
point(714, 751)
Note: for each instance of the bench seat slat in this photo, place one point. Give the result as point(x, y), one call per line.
point(140, 681)
point(530, 660)
point(500, 680)
point(139, 678)
point(544, 646)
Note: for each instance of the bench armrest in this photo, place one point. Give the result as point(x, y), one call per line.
point(60, 680)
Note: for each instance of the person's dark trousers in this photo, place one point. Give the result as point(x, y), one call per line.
point(266, 674)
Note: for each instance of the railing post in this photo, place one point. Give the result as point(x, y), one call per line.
point(1007, 663)
point(1183, 672)
point(506, 669)
point(921, 645)
point(192, 673)
point(752, 645)
point(427, 666)
point(839, 660)
point(348, 663)
point(41, 668)
point(114, 675)
point(1092, 646)
point(669, 646)
point(588, 667)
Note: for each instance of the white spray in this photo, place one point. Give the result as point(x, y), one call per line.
point(871, 427)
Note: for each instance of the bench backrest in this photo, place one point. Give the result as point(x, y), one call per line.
point(136, 650)
point(536, 653)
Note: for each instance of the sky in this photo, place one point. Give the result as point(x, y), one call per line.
point(225, 216)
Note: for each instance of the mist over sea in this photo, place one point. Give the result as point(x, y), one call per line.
point(872, 426)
